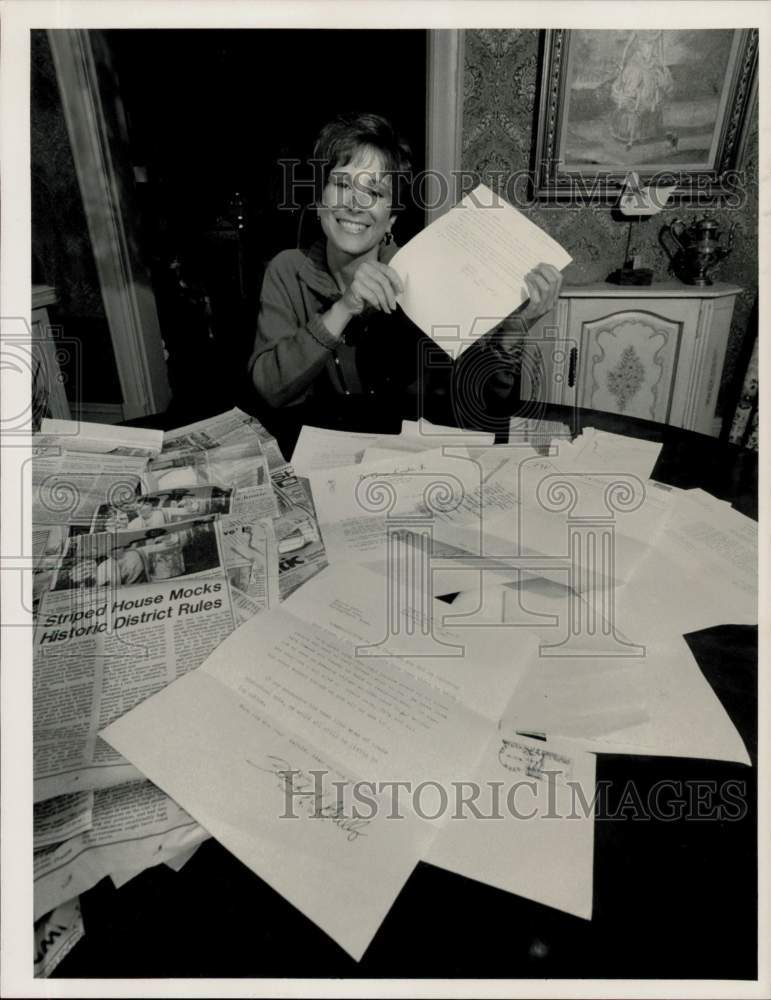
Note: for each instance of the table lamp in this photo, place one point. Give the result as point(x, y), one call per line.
point(637, 202)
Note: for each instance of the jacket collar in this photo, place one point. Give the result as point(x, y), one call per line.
point(315, 273)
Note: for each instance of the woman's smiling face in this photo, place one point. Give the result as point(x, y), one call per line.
point(355, 208)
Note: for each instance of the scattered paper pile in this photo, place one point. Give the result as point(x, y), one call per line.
point(150, 549)
point(558, 637)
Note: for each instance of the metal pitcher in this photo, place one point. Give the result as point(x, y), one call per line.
point(698, 249)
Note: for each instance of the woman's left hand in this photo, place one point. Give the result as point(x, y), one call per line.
point(544, 283)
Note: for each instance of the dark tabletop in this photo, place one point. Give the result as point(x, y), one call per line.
point(673, 899)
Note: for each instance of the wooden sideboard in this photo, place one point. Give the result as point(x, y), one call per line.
point(655, 352)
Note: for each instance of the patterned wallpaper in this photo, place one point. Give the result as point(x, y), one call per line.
point(499, 97)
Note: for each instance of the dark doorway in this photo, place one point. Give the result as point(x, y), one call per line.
point(210, 117)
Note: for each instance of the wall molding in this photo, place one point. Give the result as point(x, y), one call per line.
point(444, 119)
point(94, 128)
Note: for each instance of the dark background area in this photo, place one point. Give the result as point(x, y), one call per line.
point(209, 115)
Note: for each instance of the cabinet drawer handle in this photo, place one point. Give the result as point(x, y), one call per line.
point(572, 366)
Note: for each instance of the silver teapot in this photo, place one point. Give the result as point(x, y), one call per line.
point(698, 249)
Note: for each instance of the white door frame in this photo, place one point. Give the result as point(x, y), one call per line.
point(103, 171)
point(444, 119)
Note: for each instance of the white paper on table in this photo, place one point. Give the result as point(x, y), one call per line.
point(80, 872)
point(701, 572)
point(537, 432)
point(135, 826)
point(465, 272)
point(126, 875)
point(483, 516)
point(581, 695)
point(556, 494)
point(656, 704)
point(478, 500)
point(511, 515)
point(224, 759)
point(686, 718)
point(176, 862)
point(79, 435)
point(492, 459)
point(318, 448)
point(417, 437)
point(467, 583)
point(460, 578)
point(474, 669)
point(540, 841)
point(706, 499)
point(378, 453)
point(353, 509)
point(395, 446)
point(503, 515)
point(290, 696)
point(312, 662)
point(437, 435)
point(602, 451)
point(660, 703)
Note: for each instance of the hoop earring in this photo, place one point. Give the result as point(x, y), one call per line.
point(388, 238)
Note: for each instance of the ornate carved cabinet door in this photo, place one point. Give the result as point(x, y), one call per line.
point(655, 353)
point(628, 354)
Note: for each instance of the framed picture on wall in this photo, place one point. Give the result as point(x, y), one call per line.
point(670, 105)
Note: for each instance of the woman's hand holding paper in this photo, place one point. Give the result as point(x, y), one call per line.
point(544, 283)
point(373, 284)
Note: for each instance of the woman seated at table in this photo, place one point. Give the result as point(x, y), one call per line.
point(332, 347)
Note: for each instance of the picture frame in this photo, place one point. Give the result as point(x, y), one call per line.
point(671, 106)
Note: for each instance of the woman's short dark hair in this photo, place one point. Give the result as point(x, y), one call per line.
point(341, 138)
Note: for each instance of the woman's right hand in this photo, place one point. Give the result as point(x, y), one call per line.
point(375, 285)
